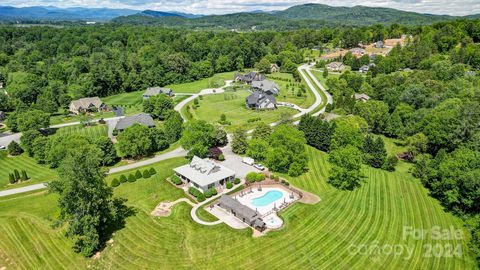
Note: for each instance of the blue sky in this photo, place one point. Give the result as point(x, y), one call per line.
point(451, 7)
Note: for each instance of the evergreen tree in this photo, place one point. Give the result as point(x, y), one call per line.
point(239, 141)
point(146, 174)
point(11, 178)
point(153, 171)
point(325, 73)
point(138, 174)
point(17, 175)
point(24, 175)
point(374, 150)
point(123, 179)
point(132, 178)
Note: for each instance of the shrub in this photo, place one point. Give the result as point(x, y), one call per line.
point(236, 181)
point(207, 194)
point(11, 178)
point(229, 185)
point(213, 191)
point(16, 174)
point(132, 178)
point(123, 179)
point(115, 183)
point(221, 157)
point(153, 171)
point(24, 175)
point(251, 177)
point(138, 174)
point(177, 181)
point(277, 178)
point(201, 197)
point(260, 177)
point(14, 149)
point(146, 174)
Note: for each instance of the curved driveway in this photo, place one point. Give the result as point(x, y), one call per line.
point(179, 152)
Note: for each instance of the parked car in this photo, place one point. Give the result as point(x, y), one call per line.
point(248, 161)
point(3, 147)
point(259, 166)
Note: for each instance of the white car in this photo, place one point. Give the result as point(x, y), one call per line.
point(3, 147)
point(259, 166)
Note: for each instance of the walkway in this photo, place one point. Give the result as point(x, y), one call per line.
point(14, 191)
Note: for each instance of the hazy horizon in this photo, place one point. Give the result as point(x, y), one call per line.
point(208, 7)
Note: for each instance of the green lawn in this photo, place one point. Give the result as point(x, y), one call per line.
point(89, 131)
point(216, 81)
point(36, 172)
point(232, 104)
point(290, 94)
point(317, 236)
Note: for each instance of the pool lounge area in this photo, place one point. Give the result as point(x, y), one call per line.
point(267, 201)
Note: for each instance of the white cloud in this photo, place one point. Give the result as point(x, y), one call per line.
point(451, 7)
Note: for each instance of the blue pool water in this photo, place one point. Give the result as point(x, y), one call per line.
point(267, 198)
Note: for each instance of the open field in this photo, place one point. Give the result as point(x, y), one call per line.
point(36, 172)
point(232, 104)
point(321, 236)
point(290, 94)
point(216, 81)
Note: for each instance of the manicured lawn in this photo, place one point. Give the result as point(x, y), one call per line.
point(216, 81)
point(36, 172)
point(285, 80)
point(89, 131)
point(232, 104)
point(317, 236)
point(61, 118)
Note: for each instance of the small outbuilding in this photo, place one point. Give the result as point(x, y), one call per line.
point(242, 212)
point(362, 97)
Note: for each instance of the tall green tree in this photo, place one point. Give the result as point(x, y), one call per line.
point(86, 202)
point(346, 163)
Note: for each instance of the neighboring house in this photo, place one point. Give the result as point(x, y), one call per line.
point(362, 97)
point(249, 77)
point(274, 68)
point(379, 44)
point(358, 52)
point(87, 105)
point(335, 66)
point(366, 68)
point(204, 174)
point(141, 118)
point(242, 212)
point(266, 86)
point(261, 101)
point(3, 115)
point(154, 91)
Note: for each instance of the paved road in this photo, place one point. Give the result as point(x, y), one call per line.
point(179, 152)
point(22, 189)
point(6, 140)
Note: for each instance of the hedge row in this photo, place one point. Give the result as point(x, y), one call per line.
point(132, 177)
point(197, 194)
point(255, 177)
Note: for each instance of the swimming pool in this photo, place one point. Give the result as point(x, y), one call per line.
point(267, 198)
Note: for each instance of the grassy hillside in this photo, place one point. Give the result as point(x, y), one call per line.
point(315, 237)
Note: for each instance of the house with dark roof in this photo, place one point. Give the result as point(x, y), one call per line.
point(259, 100)
point(141, 118)
point(266, 86)
point(90, 104)
point(249, 77)
point(204, 174)
point(242, 212)
point(154, 91)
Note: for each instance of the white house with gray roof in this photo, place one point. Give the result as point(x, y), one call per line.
point(141, 118)
point(242, 212)
point(261, 101)
point(154, 91)
point(204, 174)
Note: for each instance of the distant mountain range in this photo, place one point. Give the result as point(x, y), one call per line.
point(308, 15)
